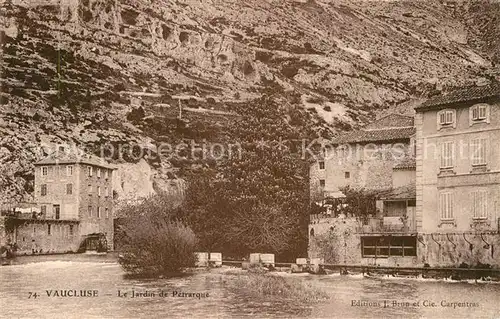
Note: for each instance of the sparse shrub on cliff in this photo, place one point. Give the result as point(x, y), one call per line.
point(154, 242)
point(136, 114)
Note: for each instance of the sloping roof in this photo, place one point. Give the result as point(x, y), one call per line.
point(462, 95)
point(402, 192)
point(393, 120)
point(406, 163)
point(73, 157)
point(381, 135)
point(392, 127)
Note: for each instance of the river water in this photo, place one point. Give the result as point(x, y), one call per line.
point(350, 296)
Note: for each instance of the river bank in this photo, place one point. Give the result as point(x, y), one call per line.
point(222, 296)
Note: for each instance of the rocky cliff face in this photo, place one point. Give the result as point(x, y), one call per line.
point(72, 70)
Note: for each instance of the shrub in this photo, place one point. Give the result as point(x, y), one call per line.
point(266, 285)
point(153, 241)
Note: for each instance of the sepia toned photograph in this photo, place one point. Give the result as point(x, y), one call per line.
point(250, 159)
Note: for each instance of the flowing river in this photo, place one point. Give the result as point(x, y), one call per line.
point(24, 290)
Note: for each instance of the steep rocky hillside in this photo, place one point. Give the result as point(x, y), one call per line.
point(83, 71)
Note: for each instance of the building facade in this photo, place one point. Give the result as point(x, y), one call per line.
point(443, 208)
point(458, 176)
point(378, 159)
point(363, 158)
point(73, 207)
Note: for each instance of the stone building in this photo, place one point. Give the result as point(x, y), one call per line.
point(458, 175)
point(449, 192)
point(363, 158)
point(73, 206)
point(379, 158)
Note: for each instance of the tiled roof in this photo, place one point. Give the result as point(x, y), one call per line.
point(392, 120)
point(402, 192)
point(462, 95)
point(406, 163)
point(71, 157)
point(381, 135)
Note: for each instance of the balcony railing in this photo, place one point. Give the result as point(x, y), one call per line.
point(34, 216)
point(388, 225)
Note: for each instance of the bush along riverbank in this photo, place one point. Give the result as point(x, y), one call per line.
point(155, 243)
point(265, 285)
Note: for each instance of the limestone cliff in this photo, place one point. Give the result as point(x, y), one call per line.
point(72, 70)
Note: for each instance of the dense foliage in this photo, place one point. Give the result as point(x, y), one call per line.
point(153, 241)
point(256, 202)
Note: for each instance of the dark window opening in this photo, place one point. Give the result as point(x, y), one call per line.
point(347, 174)
point(387, 246)
point(322, 182)
point(311, 232)
point(57, 211)
point(44, 190)
point(321, 165)
point(48, 229)
point(71, 230)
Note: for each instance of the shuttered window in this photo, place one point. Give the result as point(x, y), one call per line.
point(447, 154)
point(446, 206)
point(478, 151)
point(479, 112)
point(479, 202)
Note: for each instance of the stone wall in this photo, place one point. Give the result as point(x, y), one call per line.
point(453, 249)
point(335, 240)
point(34, 235)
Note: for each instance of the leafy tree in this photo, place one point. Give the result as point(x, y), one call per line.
point(154, 240)
point(360, 202)
point(257, 202)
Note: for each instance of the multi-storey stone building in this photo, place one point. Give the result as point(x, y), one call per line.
point(449, 192)
point(364, 158)
point(458, 174)
point(73, 206)
point(378, 159)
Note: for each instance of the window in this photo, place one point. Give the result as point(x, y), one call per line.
point(43, 191)
point(478, 151)
point(45, 170)
point(57, 211)
point(98, 172)
point(89, 170)
point(479, 113)
point(99, 212)
point(321, 165)
point(479, 202)
point(446, 206)
point(347, 175)
point(48, 229)
point(69, 170)
point(447, 154)
point(43, 210)
point(69, 189)
point(106, 173)
point(71, 230)
point(322, 183)
point(387, 246)
point(106, 211)
point(90, 190)
point(90, 211)
point(98, 190)
point(446, 118)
